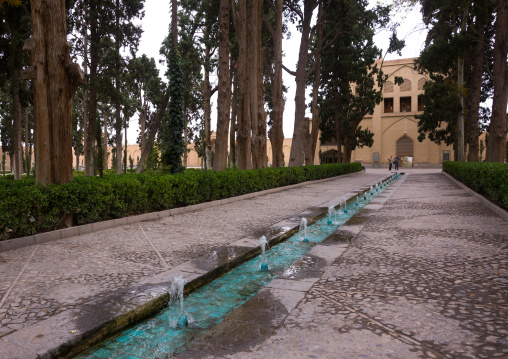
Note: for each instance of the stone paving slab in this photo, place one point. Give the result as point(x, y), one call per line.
point(64, 289)
point(425, 276)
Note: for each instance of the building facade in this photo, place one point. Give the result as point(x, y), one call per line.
point(394, 125)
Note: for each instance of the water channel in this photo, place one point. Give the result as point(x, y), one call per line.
point(160, 337)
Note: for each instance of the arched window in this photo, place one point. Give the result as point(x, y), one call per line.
point(421, 82)
point(406, 85)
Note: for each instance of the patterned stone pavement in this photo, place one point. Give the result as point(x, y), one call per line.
point(49, 283)
point(426, 276)
point(421, 272)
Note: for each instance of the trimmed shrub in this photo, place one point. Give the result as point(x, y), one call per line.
point(486, 178)
point(27, 208)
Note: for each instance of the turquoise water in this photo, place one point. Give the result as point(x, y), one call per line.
point(155, 337)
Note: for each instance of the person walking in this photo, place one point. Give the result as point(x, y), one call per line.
point(396, 163)
point(390, 161)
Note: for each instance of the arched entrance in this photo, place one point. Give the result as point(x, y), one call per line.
point(329, 156)
point(405, 150)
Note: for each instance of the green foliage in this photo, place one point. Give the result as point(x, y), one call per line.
point(172, 131)
point(349, 61)
point(131, 162)
point(442, 106)
point(486, 178)
point(27, 208)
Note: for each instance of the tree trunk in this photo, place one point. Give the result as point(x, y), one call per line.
point(223, 102)
point(338, 134)
point(85, 96)
point(16, 115)
point(244, 115)
point(142, 123)
point(99, 155)
point(56, 81)
point(207, 94)
point(118, 139)
point(460, 117)
point(105, 146)
point(348, 146)
point(496, 146)
point(276, 133)
point(300, 129)
point(185, 138)
point(152, 131)
point(125, 152)
point(76, 153)
point(234, 111)
point(315, 90)
point(474, 93)
point(28, 149)
point(118, 119)
point(460, 82)
point(307, 149)
point(258, 114)
point(90, 165)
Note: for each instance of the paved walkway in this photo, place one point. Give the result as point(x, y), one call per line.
point(426, 275)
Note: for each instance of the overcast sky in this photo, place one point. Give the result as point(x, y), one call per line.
point(155, 29)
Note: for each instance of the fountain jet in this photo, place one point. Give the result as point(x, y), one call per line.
point(263, 243)
point(303, 229)
point(177, 315)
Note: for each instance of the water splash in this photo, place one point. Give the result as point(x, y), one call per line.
point(332, 214)
point(303, 229)
point(263, 243)
point(178, 317)
point(343, 205)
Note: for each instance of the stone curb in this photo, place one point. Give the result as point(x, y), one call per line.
point(494, 208)
point(39, 238)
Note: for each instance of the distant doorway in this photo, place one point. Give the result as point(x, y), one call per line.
point(329, 156)
point(405, 150)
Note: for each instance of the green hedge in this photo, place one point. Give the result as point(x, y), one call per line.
point(486, 178)
point(27, 208)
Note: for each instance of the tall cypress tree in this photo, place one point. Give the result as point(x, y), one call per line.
point(350, 60)
point(110, 27)
point(15, 27)
point(172, 131)
point(458, 42)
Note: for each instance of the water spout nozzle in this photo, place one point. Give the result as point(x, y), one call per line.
point(329, 221)
point(182, 322)
point(264, 267)
point(305, 239)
